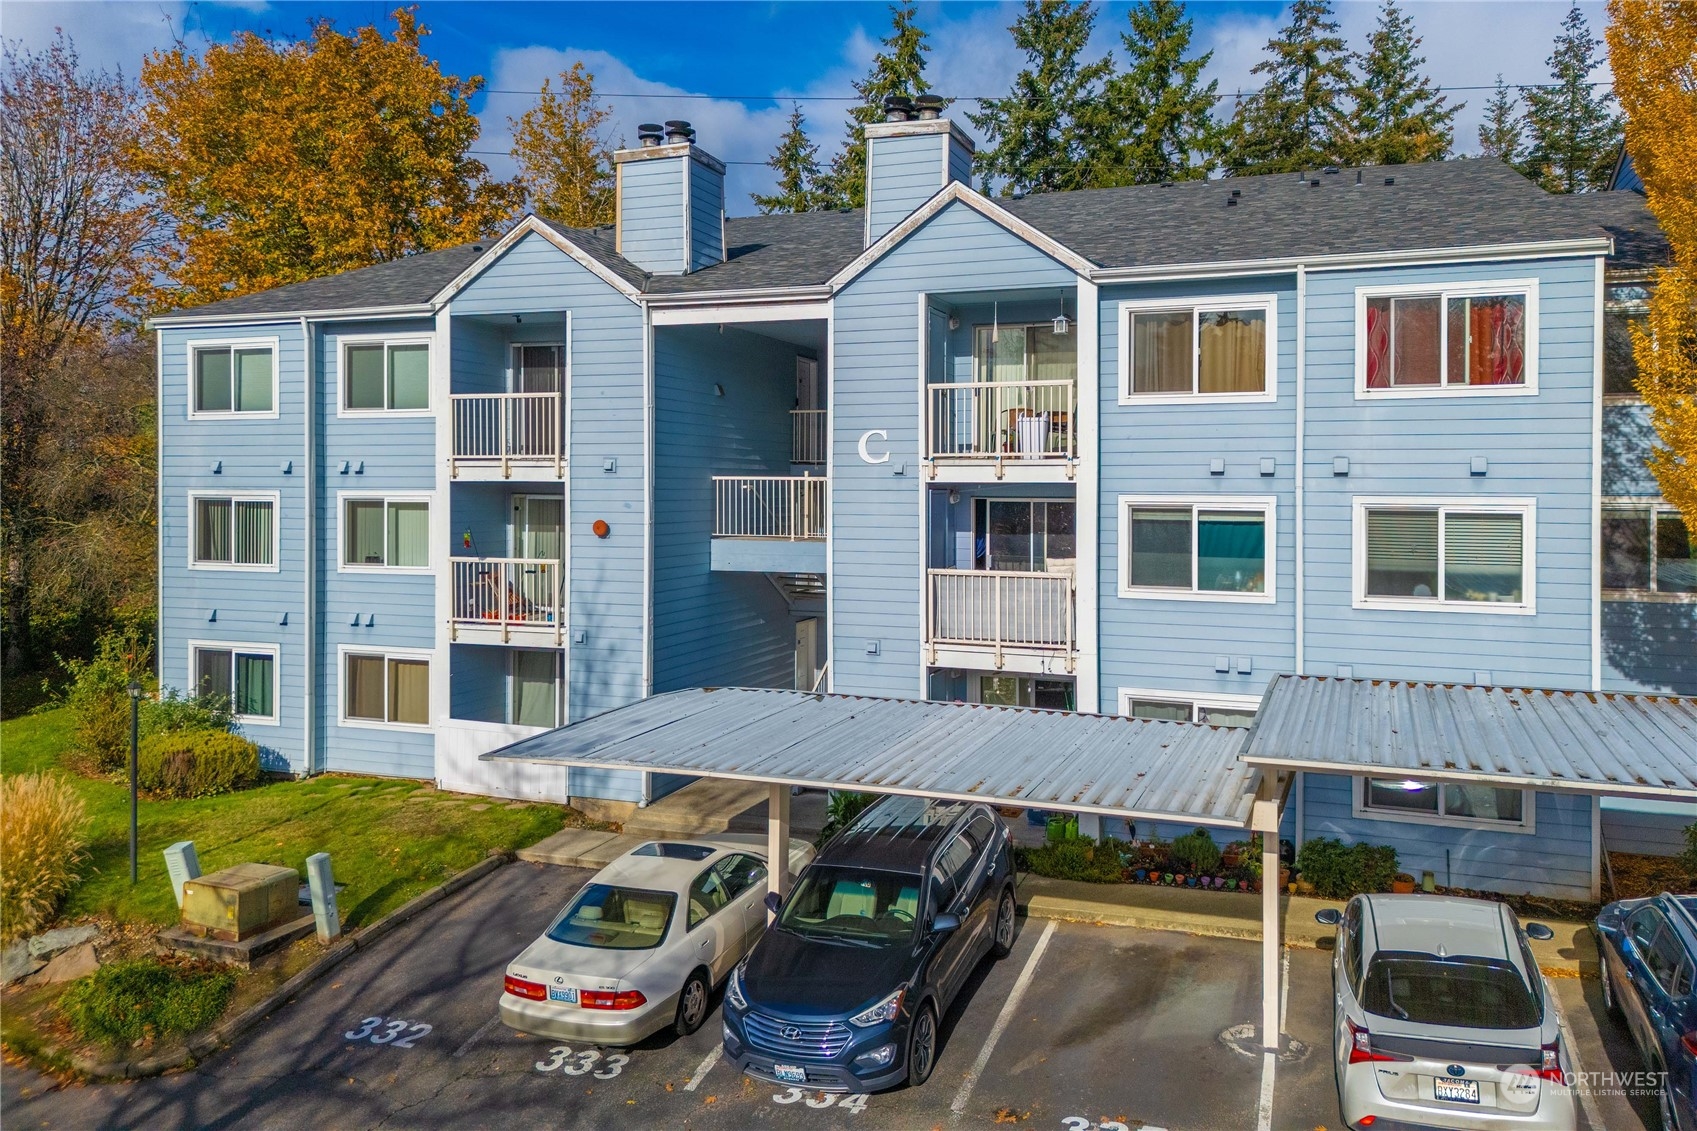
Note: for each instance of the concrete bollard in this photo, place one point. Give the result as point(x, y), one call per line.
point(324, 913)
point(183, 866)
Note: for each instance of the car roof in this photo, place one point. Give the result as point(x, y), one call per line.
point(898, 834)
point(1450, 926)
point(638, 869)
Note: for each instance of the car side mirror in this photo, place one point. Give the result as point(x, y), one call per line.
point(1330, 916)
point(1540, 932)
point(772, 901)
point(944, 922)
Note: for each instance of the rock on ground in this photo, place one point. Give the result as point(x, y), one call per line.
point(49, 943)
point(67, 966)
point(17, 962)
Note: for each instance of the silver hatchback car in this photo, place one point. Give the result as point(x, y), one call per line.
point(1442, 1019)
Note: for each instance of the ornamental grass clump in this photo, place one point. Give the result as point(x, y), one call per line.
point(43, 840)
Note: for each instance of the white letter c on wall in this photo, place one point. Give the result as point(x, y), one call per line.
point(868, 456)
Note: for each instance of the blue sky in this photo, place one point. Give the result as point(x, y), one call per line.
point(742, 64)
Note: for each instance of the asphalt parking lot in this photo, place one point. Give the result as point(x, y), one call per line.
point(1082, 1028)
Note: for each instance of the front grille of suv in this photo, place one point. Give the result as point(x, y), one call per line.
point(820, 1040)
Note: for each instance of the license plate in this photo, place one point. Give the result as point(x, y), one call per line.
point(1456, 1091)
point(789, 1073)
point(568, 994)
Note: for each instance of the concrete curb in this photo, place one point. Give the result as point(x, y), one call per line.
point(205, 1044)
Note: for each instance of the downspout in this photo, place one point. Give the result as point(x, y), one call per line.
point(1301, 470)
point(310, 619)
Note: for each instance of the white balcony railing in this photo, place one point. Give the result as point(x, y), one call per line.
point(507, 428)
point(788, 506)
point(508, 593)
point(807, 435)
point(997, 609)
point(1002, 420)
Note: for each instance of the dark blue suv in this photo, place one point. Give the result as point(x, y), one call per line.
point(1649, 953)
point(843, 993)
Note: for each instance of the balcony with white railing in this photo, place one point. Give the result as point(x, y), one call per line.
point(502, 600)
point(769, 523)
point(1023, 427)
point(508, 433)
point(1024, 621)
point(808, 435)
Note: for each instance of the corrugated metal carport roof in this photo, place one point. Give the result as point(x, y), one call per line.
point(1043, 759)
point(1586, 741)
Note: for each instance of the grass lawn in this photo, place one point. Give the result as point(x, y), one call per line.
point(388, 840)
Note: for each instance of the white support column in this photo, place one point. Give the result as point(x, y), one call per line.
point(778, 839)
point(1264, 819)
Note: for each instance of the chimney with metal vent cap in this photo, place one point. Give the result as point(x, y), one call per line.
point(669, 201)
point(678, 131)
point(648, 134)
point(910, 156)
point(929, 106)
point(898, 108)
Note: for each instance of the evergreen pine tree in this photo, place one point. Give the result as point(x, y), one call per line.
point(1398, 117)
point(898, 69)
point(1297, 119)
point(1160, 117)
point(1037, 138)
point(797, 163)
point(1574, 133)
point(1501, 133)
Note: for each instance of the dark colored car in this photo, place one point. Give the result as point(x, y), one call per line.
point(1649, 953)
point(844, 992)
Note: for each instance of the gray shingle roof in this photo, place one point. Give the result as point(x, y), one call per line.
point(1639, 241)
point(412, 281)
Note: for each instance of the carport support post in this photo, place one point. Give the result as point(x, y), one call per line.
point(1264, 819)
point(778, 838)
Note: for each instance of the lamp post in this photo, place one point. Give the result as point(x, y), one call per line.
point(135, 730)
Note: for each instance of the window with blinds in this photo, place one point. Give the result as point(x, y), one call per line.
point(1445, 555)
point(246, 679)
point(386, 377)
point(384, 533)
point(1216, 549)
point(387, 689)
point(537, 369)
point(231, 531)
point(1202, 350)
point(234, 379)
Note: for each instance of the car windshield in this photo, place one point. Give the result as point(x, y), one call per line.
point(615, 918)
point(855, 906)
point(1472, 993)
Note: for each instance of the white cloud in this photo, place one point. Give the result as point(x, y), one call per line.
point(108, 35)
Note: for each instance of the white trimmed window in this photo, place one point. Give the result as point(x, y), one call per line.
point(1445, 340)
point(384, 376)
point(1215, 710)
point(233, 531)
point(1647, 549)
point(385, 532)
point(1446, 803)
point(1218, 349)
point(1625, 306)
point(385, 688)
point(1460, 555)
point(1218, 549)
point(245, 674)
point(237, 378)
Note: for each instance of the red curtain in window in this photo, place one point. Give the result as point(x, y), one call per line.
point(1498, 340)
point(1379, 345)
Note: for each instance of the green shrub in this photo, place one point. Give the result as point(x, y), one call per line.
point(1077, 858)
point(197, 763)
point(99, 694)
point(143, 998)
point(841, 811)
point(1195, 854)
point(42, 841)
point(1339, 870)
point(177, 711)
point(1688, 858)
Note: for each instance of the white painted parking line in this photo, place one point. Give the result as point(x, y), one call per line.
point(1264, 1109)
point(1002, 1019)
point(1586, 1101)
point(706, 1067)
point(483, 1031)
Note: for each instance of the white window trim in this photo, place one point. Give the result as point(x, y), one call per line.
point(233, 647)
point(1360, 810)
point(1195, 699)
point(1650, 507)
point(272, 497)
point(1267, 505)
point(513, 366)
point(1526, 507)
point(342, 344)
point(513, 684)
point(343, 651)
point(1446, 291)
point(385, 497)
point(1619, 306)
point(272, 344)
point(1197, 305)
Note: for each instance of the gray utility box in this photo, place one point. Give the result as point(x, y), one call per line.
point(241, 901)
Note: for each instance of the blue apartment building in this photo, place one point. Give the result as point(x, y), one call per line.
point(1126, 451)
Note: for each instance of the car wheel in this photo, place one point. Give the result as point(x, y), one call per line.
point(692, 1005)
point(1005, 911)
point(922, 1046)
point(1610, 1002)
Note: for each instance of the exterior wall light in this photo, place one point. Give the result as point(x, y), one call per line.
point(600, 527)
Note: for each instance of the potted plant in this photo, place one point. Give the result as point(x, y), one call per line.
point(1233, 855)
point(1167, 878)
point(1402, 883)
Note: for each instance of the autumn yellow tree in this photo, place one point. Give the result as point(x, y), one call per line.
point(1653, 49)
point(564, 158)
point(282, 161)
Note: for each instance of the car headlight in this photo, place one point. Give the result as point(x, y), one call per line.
point(885, 1010)
point(733, 990)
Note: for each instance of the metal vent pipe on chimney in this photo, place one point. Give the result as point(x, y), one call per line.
point(930, 107)
point(679, 131)
point(898, 108)
point(648, 134)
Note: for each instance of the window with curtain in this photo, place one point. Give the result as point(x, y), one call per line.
point(1202, 351)
point(246, 679)
point(392, 533)
point(1023, 352)
point(1648, 549)
point(537, 369)
point(386, 376)
point(233, 531)
point(1469, 803)
point(536, 689)
point(1197, 548)
point(1446, 555)
point(234, 379)
point(1437, 340)
point(386, 689)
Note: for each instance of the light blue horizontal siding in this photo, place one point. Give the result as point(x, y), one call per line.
point(480, 357)
point(902, 174)
point(1650, 646)
point(706, 206)
point(479, 688)
point(1555, 860)
point(1659, 832)
point(767, 555)
point(960, 162)
point(651, 215)
point(1628, 439)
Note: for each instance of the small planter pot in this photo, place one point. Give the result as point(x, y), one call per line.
point(1402, 884)
point(1167, 877)
point(1231, 885)
point(1142, 874)
point(1190, 881)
